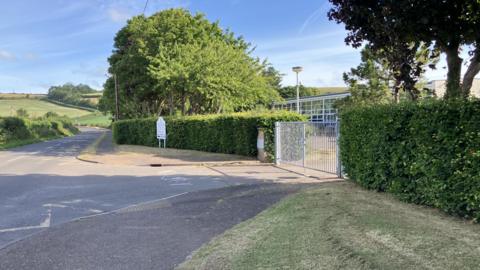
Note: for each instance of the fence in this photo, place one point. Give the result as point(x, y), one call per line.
point(309, 145)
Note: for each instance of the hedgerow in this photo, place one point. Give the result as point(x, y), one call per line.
point(423, 153)
point(15, 129)
point(221, 133)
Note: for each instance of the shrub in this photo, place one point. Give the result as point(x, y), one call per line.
point(227, 133)
point(424, 153)
point(22, 113)
point(18, 129)
point(14, 128)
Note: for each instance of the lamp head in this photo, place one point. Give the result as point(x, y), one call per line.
point(297, 69)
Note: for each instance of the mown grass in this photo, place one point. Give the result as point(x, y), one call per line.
point(341, 226)
point(96, 119)
point(37, 108)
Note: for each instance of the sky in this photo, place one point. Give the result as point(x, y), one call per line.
point(51, 42)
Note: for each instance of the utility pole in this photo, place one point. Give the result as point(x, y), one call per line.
point(117, 108)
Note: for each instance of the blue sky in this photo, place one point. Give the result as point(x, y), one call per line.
point(51, 42)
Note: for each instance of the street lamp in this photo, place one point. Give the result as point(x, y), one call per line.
point(298, 70)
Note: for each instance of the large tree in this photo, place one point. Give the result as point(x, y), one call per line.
point(177, 62)
point(72, 94)
point(371, 81)
point(397, 25)
point(377, 80)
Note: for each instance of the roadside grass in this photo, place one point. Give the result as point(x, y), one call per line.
point(96, 119)
point(342, 226)
point(17, 143)
point(37, 108)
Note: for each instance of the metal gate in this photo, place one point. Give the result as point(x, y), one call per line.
point(309, 145)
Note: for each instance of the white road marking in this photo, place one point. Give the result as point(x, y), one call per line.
point(73, 201)
point(181, 184)
point(45, 224)
point(96, 211)
point(54, 205)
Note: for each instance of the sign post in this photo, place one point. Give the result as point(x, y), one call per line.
point(161, 132)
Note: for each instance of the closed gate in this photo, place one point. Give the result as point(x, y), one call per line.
point(309, 145)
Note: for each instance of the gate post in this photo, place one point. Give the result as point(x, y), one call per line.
point(277, 143)
point(337, 149)
point(304, 144)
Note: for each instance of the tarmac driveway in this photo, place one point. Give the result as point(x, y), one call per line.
point(157, 235)
point(61, 213)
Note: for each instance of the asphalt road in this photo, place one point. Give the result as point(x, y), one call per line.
point(44, 191)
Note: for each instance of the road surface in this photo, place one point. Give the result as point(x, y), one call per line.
point(61, 213)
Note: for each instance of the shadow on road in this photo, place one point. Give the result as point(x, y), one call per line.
point(64, 147)
point(155, 235)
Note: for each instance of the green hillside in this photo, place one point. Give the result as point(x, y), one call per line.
point(37, 107)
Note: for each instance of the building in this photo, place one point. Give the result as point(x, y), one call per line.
point(317, 108)
point(439, 87)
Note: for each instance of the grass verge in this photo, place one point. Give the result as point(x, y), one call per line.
point(13, 144)
point(96, 119)
point(341, 226)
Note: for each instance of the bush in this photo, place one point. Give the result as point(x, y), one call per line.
point(424, 153)
point(22, 113)
point(18, 129)
point(227, 133)
point(13, 128)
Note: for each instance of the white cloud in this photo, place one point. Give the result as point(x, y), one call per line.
point(118, 15)
point(315, 16)
point(323, 55)
point(4, 55)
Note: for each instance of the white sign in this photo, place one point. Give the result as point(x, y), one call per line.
point(161, 129)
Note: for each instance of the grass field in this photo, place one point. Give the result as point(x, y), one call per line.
point(20, 96)
point(96, 119)
point(341, 226)
point(36, 108)
point(331, 90)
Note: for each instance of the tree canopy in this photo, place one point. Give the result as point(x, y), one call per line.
point(174, 61)
point(71, 94)
point(400, 27)
point(375, 80)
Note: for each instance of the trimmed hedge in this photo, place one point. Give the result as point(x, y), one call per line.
point(424, 153)
point(226, 133)
point(16, 129)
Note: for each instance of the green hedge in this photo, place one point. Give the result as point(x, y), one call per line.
point(424, 153)
point(227, 133)
point(14, 130)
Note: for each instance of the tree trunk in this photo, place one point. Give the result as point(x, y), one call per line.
point(472, 71)
point(454, 63)
point(396, 90)
point(170, 104)
point(184, 100)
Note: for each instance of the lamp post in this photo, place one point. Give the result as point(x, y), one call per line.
point(298, 70)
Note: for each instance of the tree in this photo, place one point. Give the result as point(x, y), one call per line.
point(177, 62)
point(398, 26)
point(377, 80)
point(371, 82)
point(71, 94)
